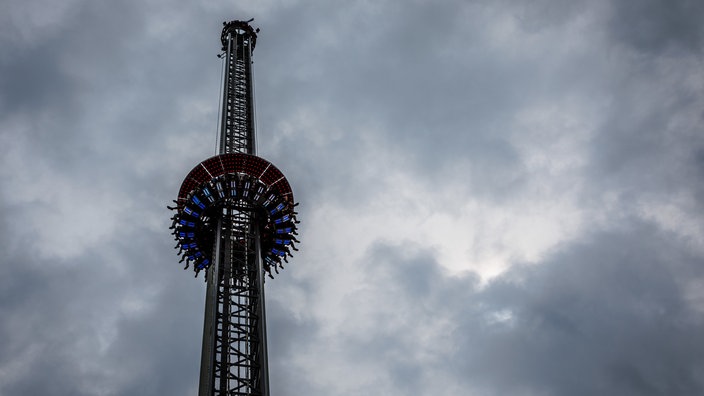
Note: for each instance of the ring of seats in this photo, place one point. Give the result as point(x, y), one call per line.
point(245, 180)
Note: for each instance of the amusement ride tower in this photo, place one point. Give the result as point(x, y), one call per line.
point(235, 221)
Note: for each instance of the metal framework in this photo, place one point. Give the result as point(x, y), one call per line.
point(235, 220)
point(237, 128)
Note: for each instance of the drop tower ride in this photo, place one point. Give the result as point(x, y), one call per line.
point(235, 221)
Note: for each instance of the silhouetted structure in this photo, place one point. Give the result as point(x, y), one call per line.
point(235, 220)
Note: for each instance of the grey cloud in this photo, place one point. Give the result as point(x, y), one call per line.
point(657, 26)
point(120, 101)
point(612, 308)
point(607, 316)
point(92, 328)
point(411, 81)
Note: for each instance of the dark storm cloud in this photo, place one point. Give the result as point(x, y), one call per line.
point(104, 106)
point(609, 315)
point(36, 82)
point(103, 79)
point(87, 96)
point(648, 143)
point(657, 26)
point(411, 80)
point(101, 323)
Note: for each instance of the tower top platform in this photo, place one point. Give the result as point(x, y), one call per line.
point(238, 27)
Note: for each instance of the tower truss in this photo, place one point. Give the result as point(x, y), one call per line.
point(235, 220)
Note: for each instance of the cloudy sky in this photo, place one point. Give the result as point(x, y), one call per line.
point(497, 198)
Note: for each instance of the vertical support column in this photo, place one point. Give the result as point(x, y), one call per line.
point(263, 351)
point(207, 369)
point(234, 360)
point(225, 145)
point(237, 133)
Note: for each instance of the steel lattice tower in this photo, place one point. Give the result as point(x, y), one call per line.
point(235, 220)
